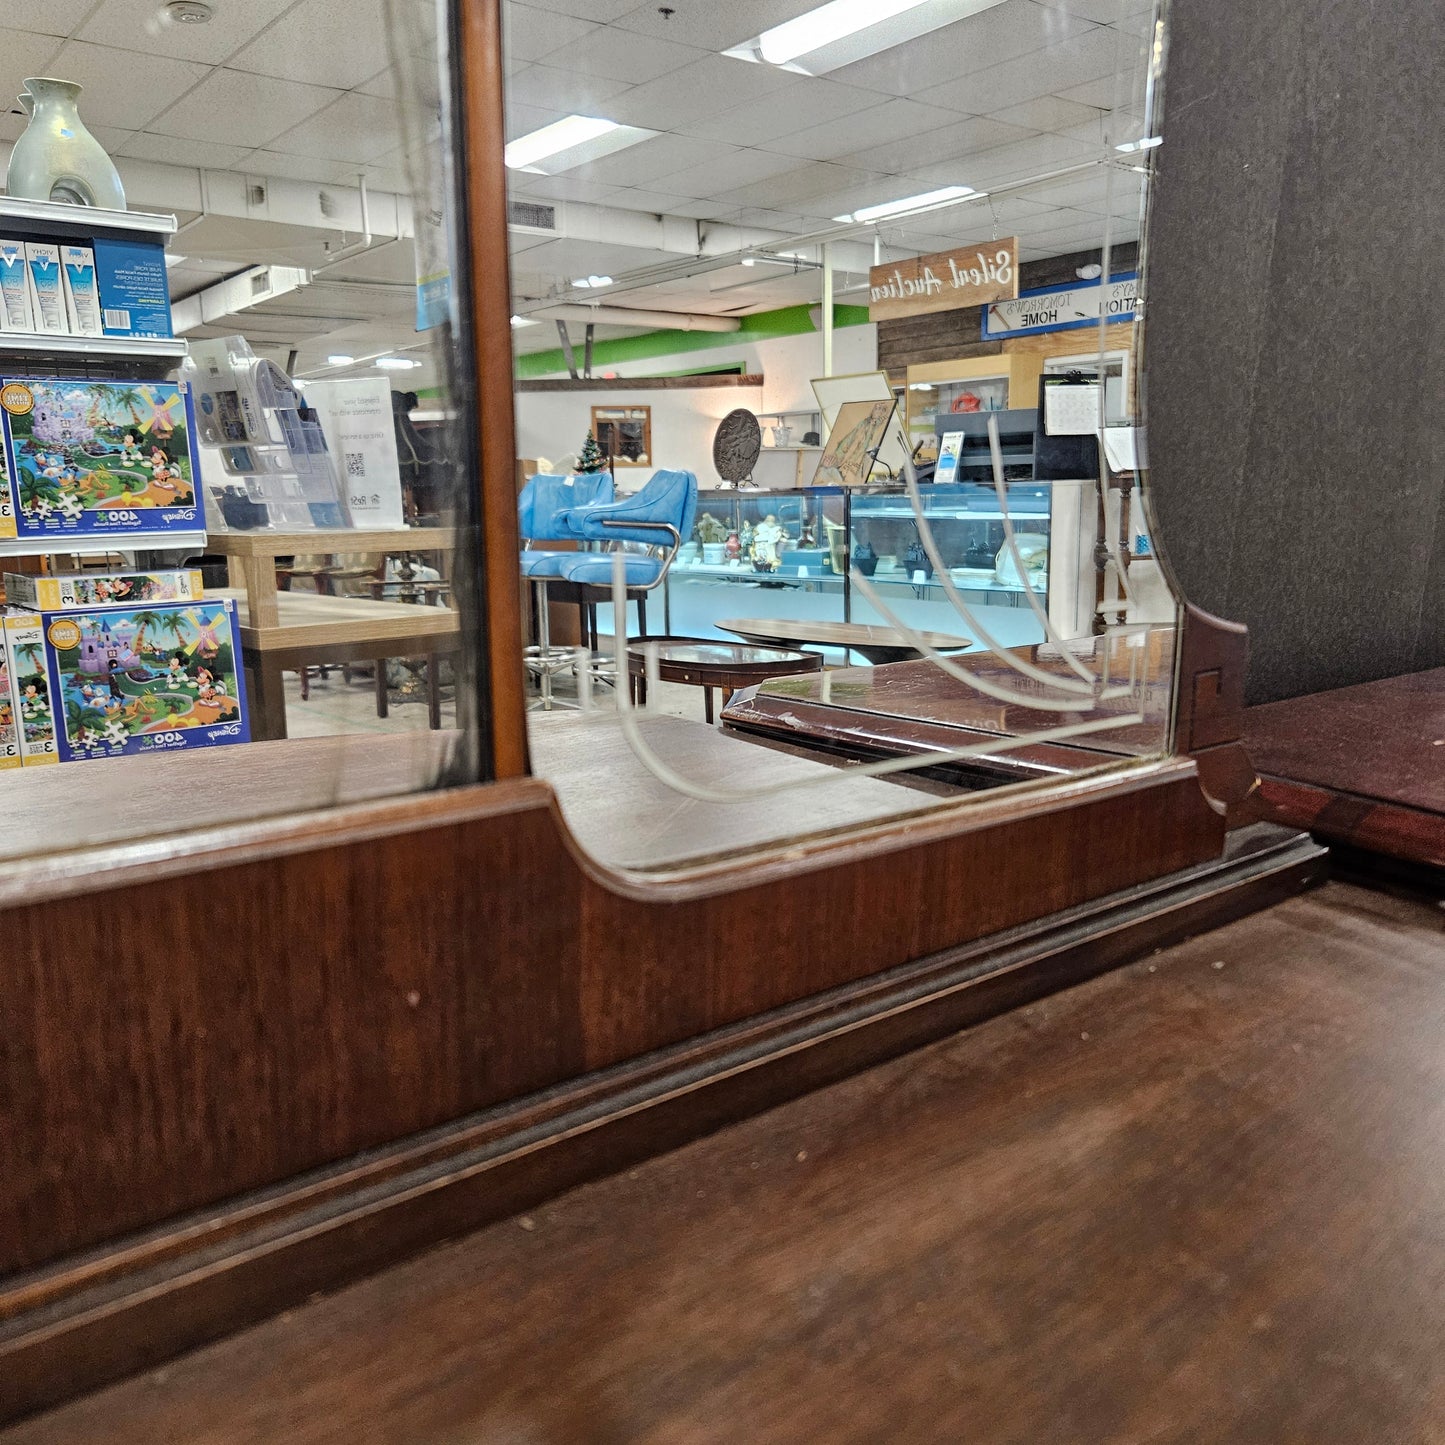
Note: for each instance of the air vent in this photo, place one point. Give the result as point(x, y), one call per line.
point(327, 203)
point(260, 282)
point(529, 216)
point(255, 194)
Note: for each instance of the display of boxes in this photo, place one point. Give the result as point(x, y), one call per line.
point(135, 298)
point(102, 589)
point(90, 459)
point(31, 689)
point(9, 721)
point(163, 678)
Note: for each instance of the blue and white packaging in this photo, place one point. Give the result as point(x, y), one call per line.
point(135, 297)
point(82, 301)
point(47, 289)
point(16, 312)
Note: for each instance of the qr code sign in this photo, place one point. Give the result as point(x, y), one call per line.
point(355, 464)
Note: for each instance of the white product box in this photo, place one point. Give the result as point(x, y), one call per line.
point(47, 289)
point(16, 313)
point(82, 300)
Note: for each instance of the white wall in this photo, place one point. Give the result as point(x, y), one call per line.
point(550, 424)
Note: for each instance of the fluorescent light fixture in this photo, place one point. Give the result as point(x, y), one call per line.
point(820, 27)
point(172, 259)
point(561, 135)
point(843, 31)
point(591, 283)
point(396, 363)
point(339, 360)
point(523, 321)
point(750, 261)
point(907, 204)
point(1147, 144)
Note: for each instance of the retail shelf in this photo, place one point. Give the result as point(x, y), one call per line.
point(766, 450)
point(90, 218)
point(867, 514)
point(41, 345)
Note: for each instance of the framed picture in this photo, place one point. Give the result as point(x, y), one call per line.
point(624, 433)
point(860, 428)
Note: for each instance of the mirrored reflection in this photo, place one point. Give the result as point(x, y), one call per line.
point(239, 545)
point(828, 351)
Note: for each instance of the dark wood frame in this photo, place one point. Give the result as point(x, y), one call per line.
point(201, 1034)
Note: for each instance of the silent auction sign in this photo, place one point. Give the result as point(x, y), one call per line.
point(945, 281)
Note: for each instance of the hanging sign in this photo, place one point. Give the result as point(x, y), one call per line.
point(945, 281)
point(1063, 308)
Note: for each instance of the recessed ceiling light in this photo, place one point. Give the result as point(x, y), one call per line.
point(339, 360)
point(750, 261)
point(1147, 144)
point(590, 283)
point(1089, 272)
point(188, 12)
point(551, 140)
point(908, 203)
point(842, 31)
point(396, 363)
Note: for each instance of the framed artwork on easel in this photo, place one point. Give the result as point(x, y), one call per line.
point(860, 429)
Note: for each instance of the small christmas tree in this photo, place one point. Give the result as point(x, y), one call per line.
point(591, 459)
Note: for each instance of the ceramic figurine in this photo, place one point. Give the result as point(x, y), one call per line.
point(746, 537)
point(709, 529)
point(734, 547)
point(915, 559)
point(57, 158)
point(768, 539)
point(865, 559)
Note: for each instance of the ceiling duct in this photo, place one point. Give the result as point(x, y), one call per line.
point(532, 217)
point(631, 316)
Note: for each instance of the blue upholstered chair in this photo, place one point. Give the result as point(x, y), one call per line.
point(542, 505)
point(660, 516)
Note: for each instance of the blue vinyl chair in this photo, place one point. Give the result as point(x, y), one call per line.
point(660, 516)
point(542, 505)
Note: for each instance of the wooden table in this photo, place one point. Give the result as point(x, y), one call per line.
point(252, 556)
point(708, 664)
point(877, 644)
point(308, 629)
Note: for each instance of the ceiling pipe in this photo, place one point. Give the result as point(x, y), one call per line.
point(631, 316)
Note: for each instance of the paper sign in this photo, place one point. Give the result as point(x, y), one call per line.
point(357, 419)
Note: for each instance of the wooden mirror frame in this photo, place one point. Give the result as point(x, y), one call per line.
point(434, 1010)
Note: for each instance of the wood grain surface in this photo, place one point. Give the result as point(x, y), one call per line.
point(1197, 1199)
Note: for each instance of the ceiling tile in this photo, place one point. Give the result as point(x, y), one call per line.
point(23, 54)
point(770, 220)
point(646, 164)
point(803, 104)
point(173, 151)
point(1024, 158)
point(382, 83)
point(1048, 112)
point(793, 189)
point(623, 55)
point(601, 11)
point(657, 203)
point(355, 128)
point(727, 173)
point(1103, 94)
point(1102, 12)
point(707, 87)
point(571, 188)
point(47, 17)
point(712, 25)
point(524, 119)
point(528, 33)
point(1015, 28)
point(237, 108)
point(1100, 190)
point(124, 90)
point(137, 25)
point(953, 143)
point(887, 125)
point(1089, 57)
point(323, 42)
point(563, 90)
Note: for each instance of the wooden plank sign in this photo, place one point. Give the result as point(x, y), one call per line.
point(945, 281)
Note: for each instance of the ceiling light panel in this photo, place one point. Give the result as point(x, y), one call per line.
point(573, 141)
point(844, 31)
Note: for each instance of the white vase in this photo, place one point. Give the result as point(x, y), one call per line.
point(57, 159)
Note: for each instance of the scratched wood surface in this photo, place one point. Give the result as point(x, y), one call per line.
point(1197, 1199)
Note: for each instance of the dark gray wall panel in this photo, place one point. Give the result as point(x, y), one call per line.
point(1296, 332)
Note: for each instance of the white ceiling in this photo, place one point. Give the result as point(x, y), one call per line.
point(302, 89)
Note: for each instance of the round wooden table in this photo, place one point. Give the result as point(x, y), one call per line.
point(877, 644)
point(708, 663)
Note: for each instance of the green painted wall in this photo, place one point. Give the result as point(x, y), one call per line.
point(765, 325)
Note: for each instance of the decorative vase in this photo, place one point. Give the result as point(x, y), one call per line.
point(57, 159)
point(865, 559)
point(782, 435)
